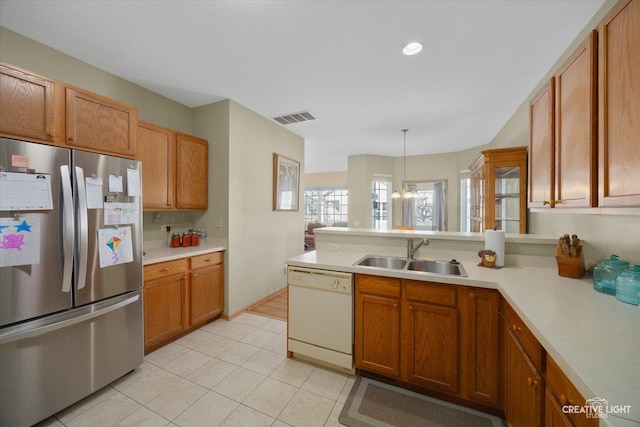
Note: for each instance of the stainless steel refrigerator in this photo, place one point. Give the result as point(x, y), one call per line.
point(71, 316)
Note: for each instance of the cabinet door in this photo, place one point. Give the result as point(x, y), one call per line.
point(619, 106)
point(206, 294)
point(164, 315)
point(525, 387)
point(576, 128)
point(377, 325)
point(541, 148)
point(97, 123)
point(27, 106)
point(553, 415)
point(156, 149)
point(192, 173)
point(480, 338)
point(430, 345)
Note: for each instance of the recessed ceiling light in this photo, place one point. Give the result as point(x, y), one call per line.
point(412, 48)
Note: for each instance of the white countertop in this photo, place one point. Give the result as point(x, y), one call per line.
point(594, 338)
point(155, 252)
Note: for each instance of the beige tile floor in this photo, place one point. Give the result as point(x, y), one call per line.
point(227, 373)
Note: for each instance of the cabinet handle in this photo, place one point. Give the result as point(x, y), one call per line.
point(71, 138)
point(164, 270)
point(563, 400)
point(516, 328)
point(532, 383)
point(472, 295)
point(207, 260)
point(546, 202)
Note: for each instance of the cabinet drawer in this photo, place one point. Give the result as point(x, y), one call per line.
point(528, 341)
point(206, 260)
point(375, 285)
point(566, 394)
point(163, 269)
point(433, 293)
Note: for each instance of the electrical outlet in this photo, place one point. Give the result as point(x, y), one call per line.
point(164, 227)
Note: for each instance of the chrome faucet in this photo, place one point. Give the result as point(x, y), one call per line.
point(411, 250)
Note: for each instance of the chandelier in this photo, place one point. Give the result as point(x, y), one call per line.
point(404, 192)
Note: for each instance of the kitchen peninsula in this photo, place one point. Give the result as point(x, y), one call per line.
point(593, 338)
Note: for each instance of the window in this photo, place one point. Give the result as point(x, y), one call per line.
point(381, 200)
point(326, 205)
point(428, 210)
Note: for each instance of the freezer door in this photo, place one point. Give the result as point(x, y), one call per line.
point(102, 187)
point(51, 363)
point(39, 283)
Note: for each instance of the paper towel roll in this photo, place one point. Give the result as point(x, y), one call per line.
point(494, 240)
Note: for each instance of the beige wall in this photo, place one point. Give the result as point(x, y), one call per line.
point(325, 179)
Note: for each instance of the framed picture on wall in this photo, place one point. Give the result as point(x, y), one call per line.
point(286, 183)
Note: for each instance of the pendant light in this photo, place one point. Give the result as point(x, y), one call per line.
point(404, 193)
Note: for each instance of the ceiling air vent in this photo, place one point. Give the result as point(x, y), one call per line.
point(303, 116)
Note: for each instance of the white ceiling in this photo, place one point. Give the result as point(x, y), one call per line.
point(340, 60)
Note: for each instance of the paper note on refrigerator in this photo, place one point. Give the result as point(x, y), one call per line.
point(25, 191)
point(19, 241)
point(115, 246)
point(133, 183)
point(94, 193)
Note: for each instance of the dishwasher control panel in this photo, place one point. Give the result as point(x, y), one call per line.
point(320, 279)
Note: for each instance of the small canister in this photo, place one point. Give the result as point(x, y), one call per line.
point(628, 285)
point(195, 238)
point(606, 273)
point(186, 239)
point(175, 240)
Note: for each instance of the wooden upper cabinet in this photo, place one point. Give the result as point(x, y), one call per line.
point(541, 148)
point(156, 149)
point(29, 106)
point(576, 128)
point(619, 106)
point(191, 173)
point(97, 123)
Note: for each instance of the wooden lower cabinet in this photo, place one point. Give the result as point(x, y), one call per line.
point(430, 335)
point(435, 336)
point(525, 386)
point(180, 296)
point(207, 281)
point(377, 325)
point(480, 331)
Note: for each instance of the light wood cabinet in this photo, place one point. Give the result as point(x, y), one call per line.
point(180, 296)
point(499, 178)
point(429, 332)
point(619, 106)
point(576, 176)
point(541, 147)
point(192, 173)
point(480, 332)
point(31, 106)
point(157, 152)
point(97, 123)
point(377, 324)
point(164, 301)
point(207, 284)
point(561, 392)
point(523, 382)
point(174, 169)
point(563, 150)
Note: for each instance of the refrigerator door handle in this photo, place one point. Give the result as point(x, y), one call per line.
point(67, 228)
point(30, 333)
point(83, 229)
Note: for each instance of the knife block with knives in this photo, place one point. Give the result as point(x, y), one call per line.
point(569, 257)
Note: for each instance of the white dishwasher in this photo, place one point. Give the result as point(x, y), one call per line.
point(321, 315)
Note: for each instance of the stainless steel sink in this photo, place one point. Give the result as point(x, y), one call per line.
point(438, 267)
point(444, 268)
point(393, 263)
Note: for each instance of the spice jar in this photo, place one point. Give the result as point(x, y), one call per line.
point(628, 285)
point(186, 239)
point(606, 273)
point(175, 240)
